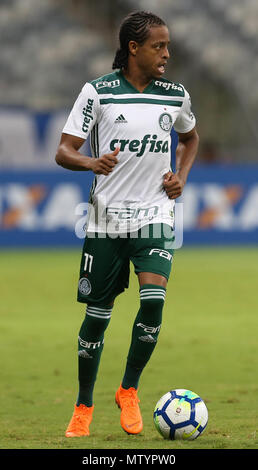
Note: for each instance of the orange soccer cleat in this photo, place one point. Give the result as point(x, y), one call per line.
point(80, 421)
point(130, 419)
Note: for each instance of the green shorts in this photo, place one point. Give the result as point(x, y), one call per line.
point(105, 262)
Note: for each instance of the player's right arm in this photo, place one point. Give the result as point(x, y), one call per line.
point(69, 157)
point(81, 120)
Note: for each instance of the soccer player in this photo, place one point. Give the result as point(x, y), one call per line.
point(129, 115)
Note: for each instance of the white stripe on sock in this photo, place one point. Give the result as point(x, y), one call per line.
point(99, 312)
point(99, 309)
point(153, 293)
point(99, 316)
point(147, 291)
point(153, 297)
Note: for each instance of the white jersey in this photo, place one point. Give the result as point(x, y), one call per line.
point(116, 114)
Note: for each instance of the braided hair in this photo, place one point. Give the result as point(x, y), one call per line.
point(135, 27)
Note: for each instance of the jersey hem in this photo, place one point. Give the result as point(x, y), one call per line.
point(135, 229)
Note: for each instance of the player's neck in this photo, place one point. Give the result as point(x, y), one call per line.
point(137, 79)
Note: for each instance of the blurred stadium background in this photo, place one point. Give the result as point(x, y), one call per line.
point(50, 48)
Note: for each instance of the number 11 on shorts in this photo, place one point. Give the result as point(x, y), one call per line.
point(88, 262)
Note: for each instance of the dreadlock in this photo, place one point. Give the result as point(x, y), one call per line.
point(135, 27)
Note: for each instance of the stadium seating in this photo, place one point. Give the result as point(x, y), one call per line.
point(221, 34)
point(50, 48)
point(45, 37)
point(46, 54)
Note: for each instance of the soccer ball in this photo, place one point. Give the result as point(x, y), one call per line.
point(180, 414)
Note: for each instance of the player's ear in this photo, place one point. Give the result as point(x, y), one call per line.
point(132, 47)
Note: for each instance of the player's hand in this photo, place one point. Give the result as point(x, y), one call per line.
point(173, 185)
point(105, 164)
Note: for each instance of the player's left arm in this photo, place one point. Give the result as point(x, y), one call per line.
point(185, 155)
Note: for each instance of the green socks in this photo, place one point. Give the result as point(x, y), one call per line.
point(145, 333)
point(144, 338)
point(90, 346)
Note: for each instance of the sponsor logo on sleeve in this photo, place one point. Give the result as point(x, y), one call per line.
point(88, 116)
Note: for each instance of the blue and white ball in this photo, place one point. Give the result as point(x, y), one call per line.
point(180, 414)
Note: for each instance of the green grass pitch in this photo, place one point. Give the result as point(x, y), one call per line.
point(208, 343)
